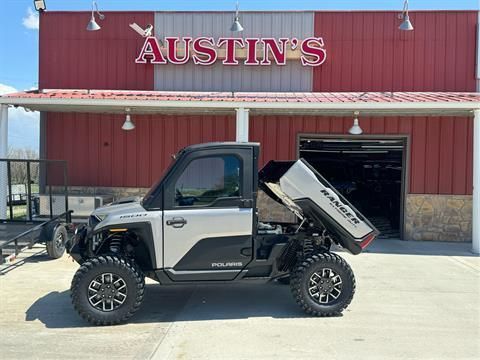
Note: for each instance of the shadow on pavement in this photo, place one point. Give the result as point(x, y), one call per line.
point(181, 303)
point(435, 248)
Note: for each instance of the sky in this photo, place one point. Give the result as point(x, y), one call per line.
point(19, 36)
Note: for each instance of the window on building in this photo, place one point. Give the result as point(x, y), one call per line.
point(207, 179)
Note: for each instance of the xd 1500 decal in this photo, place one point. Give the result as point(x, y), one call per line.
point(232, 51)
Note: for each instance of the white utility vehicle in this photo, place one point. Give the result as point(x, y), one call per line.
point(199, 224)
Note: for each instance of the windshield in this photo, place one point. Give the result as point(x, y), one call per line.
point(151, 193)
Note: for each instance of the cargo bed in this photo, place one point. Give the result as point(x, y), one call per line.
point(298, 186)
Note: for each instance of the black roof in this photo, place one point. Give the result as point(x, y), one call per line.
point(225, 144)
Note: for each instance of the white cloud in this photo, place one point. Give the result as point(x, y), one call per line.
point(23, 126)
point(5, 89)
point(31, 21)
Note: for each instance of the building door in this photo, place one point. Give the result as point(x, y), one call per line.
point(369, 172)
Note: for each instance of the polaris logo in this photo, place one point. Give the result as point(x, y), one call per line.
point(340, 207)
point(227, 264)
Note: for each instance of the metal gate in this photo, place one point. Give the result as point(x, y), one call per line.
point(32, 190)
point(33, 197)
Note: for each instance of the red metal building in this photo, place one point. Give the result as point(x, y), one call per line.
point(365, 53)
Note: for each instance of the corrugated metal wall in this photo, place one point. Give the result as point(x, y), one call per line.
point(440, 147)
point(367, 52)
point(218, 77)
point(73, 58)
point(100, 153)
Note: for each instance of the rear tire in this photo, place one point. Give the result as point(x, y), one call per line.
point(107, 290)
point(323, 284)
point(56, 245)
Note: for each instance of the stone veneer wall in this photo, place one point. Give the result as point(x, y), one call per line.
point(270, 210)
point(438, 217)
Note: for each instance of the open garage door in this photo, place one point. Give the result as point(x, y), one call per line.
point(369, 172)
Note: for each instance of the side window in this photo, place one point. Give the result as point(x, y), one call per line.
point(206, 179)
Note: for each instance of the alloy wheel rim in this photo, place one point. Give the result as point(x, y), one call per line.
point(107, 292)
point(325, 286)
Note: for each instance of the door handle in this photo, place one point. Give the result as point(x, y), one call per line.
point(177, 222)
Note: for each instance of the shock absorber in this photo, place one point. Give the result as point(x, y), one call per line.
point(116, 245)
point(308, 247)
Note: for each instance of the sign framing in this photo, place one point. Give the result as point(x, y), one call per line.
point(232, 51)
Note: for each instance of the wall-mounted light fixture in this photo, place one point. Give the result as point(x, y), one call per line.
point(92, 25)
point(236, 26)
point(128, 124)
point(39, 5)
point(406, 25)
point(356, 129)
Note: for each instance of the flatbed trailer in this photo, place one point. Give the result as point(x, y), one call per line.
point(44, 217)
point(16, 237)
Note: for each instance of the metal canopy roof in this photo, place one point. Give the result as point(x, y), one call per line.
point(161, 102)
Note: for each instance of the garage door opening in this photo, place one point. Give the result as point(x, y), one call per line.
point(370, 173)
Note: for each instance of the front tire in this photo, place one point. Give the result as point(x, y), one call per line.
point(323, 284)
point(107, 290)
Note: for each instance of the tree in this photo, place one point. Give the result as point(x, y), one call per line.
point(18, 169)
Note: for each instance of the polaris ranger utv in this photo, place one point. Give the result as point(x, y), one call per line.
point(199, 224)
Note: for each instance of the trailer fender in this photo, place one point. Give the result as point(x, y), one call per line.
point(46, 235)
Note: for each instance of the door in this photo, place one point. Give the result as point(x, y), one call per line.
point(208, 216)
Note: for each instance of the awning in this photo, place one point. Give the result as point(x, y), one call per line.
point(324, 103)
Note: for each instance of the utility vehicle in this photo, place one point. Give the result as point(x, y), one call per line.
point(199, 224)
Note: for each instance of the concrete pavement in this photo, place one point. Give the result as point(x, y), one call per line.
point(413, 301)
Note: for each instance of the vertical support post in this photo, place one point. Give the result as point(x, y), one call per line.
point(9, 188)
point(3, 165)
point(29, 192)
point(43, 154)
point(242, 124)
point(65, 184)
point(476, 183)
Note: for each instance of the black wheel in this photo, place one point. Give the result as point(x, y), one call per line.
point(107, 290)
point(56, 245)
point(323, 284)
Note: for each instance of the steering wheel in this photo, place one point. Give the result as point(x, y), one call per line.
point(178, 194)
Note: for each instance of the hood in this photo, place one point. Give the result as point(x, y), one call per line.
point(118, 208)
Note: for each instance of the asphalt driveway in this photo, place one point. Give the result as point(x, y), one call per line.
point(413, 300)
